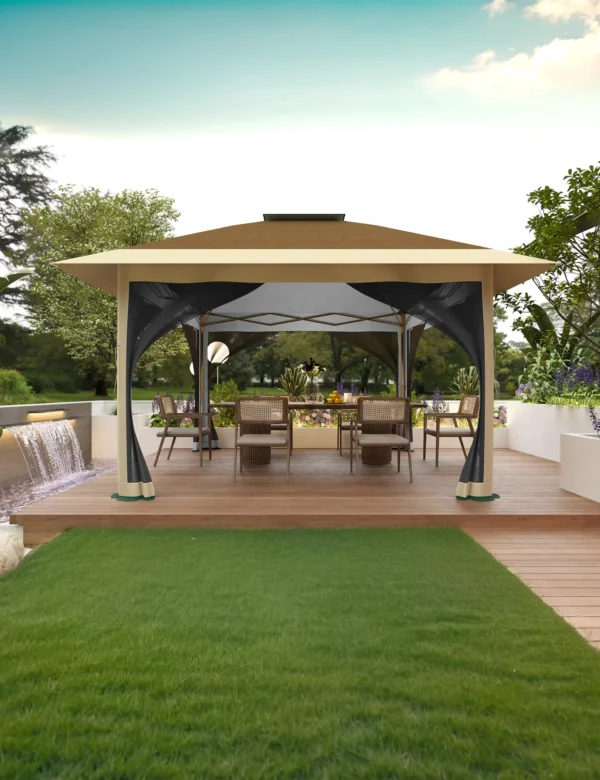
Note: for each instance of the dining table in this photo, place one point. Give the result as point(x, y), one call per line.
point(374, 456)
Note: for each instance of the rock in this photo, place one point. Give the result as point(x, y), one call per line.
point(12, 552)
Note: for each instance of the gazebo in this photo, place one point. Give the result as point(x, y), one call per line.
point(306, 272)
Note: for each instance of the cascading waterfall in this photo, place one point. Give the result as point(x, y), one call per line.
point(51, 451)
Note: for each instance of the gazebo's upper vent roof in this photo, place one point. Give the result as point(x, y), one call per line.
point(303, 217)
point(305, 231)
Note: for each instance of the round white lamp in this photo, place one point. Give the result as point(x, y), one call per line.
point(217, 353)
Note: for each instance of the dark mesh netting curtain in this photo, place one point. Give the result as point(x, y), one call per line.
point(456, 309)
point(154, 309)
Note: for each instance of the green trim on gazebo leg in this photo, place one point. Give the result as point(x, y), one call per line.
point(132, 498)
point(493, 497)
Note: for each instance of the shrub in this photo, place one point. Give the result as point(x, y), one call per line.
point(225, 391)
point(13, 387)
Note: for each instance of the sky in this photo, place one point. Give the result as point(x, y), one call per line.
point(432, 116)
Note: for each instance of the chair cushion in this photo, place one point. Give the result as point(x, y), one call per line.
point(183, 432)
point(447, 431)
point(381, 440)
point(262, 440)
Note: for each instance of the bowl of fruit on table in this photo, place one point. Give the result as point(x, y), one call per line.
point(335, 398)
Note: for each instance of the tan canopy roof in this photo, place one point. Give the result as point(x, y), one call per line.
point(304, 250)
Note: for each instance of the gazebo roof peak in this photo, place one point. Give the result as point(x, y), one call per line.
point(305, 231)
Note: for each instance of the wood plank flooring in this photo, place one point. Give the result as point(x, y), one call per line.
point(560, 564)
point(321, 493)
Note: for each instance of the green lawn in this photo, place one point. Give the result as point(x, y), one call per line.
point(148, 393)
point(137, 393)
point(296, 654)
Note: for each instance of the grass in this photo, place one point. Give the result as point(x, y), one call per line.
point(364, 654)
point(148, 394)
point(137, 393)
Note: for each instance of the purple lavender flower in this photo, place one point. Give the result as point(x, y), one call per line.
point(340, 387)
point(353, 389)
point(155, 405)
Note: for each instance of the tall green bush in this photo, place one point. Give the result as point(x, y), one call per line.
point(13, 387)
point(225, 391)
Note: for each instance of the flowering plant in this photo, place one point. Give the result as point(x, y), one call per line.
point(500, 417)
point(316, 418)
point(578, 381)
point(527, 392)
point(438, 403)
point(312, 372)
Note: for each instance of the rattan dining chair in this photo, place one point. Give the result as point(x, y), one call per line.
point(394, 412)
point(344, 426)
point(468, 410)
point(168, 411)
point(282, 426)
point(267, 412)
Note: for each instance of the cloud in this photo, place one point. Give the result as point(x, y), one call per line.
point(564, 64)
point(564, 10)
point(497, 7)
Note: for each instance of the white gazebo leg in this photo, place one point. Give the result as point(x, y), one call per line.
point(487, 293)
point(127, 491)
point(122, 389)
point(204, 388)
point(482, 491)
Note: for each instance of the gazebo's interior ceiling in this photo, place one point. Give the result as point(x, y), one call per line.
point(306, 306)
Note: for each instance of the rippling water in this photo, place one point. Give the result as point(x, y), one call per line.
point(21, 494)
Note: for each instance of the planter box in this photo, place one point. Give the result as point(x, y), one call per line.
point(536, 429)
point(304, 438)
point(580, 464)
point(326, 438)
point(226, 437)
point(500, 440)
point(104, 435)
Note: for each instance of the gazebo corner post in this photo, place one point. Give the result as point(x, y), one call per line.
point(204, 383)
point(482, 489)
point(127, 490)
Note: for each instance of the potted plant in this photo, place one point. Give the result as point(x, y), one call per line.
point(312, 372)
point(293, 382)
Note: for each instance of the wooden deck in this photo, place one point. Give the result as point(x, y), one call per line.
point(560, 563)
point(321, 493)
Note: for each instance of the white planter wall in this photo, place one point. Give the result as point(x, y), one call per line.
point(580, 464)
point(536, 429)
point(326, 438)
point(104, 435)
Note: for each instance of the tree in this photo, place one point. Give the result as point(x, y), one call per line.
point(566, 230)
point(344, 356)
point(437, 361)
point(23, 185)
point(266, 359)
point(296, 347)
point(78, 223)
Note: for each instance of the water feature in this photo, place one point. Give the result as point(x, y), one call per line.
point(55, 462)
point(51, 450)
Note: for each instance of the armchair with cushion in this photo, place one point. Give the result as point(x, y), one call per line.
point(168, 411)
point(468, 410)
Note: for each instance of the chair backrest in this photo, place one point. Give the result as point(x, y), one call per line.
point(383, 410)
point(268, 409)
point(469, 405)
point(166, 405)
